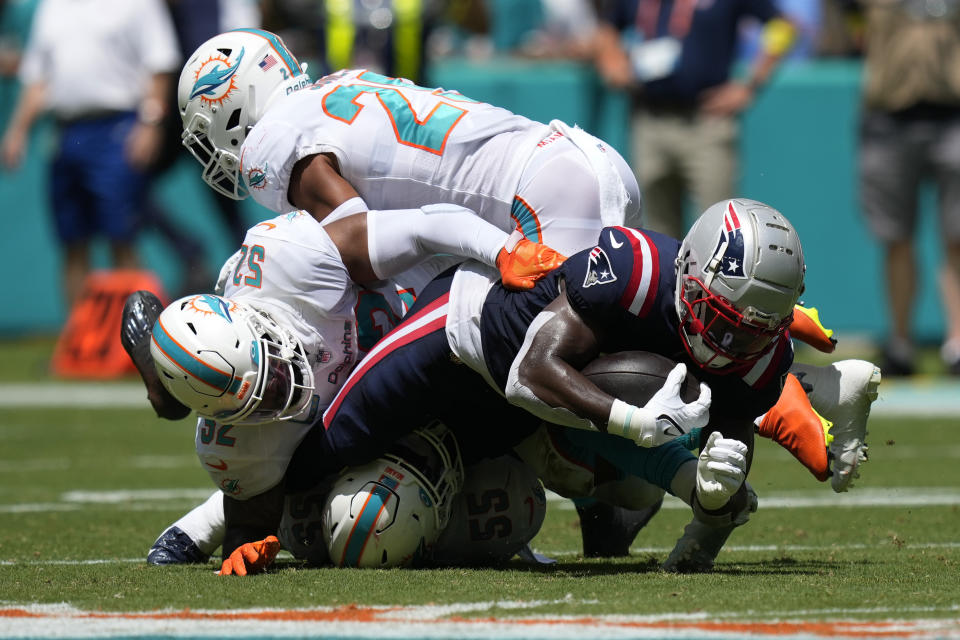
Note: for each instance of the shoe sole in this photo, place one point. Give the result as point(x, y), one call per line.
point(871, 392)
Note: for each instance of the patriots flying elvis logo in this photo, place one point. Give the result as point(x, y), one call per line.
point(598, 269)
point(730, 245)
point(214, 83)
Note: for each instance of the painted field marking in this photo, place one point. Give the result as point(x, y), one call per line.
point(480, 620)
point(60, 395)
point(825, 499)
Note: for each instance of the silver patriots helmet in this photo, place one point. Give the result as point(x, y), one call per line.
point(740, 271)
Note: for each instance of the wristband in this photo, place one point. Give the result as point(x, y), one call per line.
point(630, 421)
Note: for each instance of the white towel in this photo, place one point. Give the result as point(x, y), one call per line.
point(613, 194)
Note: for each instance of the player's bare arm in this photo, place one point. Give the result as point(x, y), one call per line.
point(317, 187)
point(550, 368)
point(546, 380)
point(350, 236)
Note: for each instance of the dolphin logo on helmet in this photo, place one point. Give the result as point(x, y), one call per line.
point(215, 78)
point(223, 92)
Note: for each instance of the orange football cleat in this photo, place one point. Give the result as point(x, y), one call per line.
point(794, 425)
point(806, 328)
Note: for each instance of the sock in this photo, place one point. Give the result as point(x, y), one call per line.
point(205, 524)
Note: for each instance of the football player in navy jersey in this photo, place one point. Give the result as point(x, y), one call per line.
point(719, 303)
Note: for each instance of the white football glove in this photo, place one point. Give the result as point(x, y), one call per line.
point(665, 417)
point(721, 469)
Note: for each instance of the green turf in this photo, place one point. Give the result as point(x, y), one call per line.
point(812, 562)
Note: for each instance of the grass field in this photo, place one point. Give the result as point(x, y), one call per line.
point(84, 490)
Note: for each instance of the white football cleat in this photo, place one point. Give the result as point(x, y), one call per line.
point(697, 548)
point(843, 393)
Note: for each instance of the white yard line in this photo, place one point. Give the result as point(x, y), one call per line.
point(59, 395)
point(826, 499)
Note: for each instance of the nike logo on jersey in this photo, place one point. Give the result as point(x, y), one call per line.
point(614, 243)
point(220, 466)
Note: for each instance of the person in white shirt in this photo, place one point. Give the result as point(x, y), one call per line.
point(101, 69)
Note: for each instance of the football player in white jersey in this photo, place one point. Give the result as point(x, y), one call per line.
point(415, 146)
point(291, 289)
point(259, 127)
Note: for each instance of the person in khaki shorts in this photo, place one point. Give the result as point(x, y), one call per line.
point(910, 132)
point(677, 57)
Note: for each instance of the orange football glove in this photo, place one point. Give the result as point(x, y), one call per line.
point(251, 557)
point(522, 262)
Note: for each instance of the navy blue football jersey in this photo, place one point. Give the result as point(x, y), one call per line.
point(625, 286)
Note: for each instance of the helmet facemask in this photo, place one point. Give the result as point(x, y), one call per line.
point(284, 384)
point(221, 167)
point(717, 335)
point(432, 456)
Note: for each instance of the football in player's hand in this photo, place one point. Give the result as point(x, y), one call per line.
point(634, 376)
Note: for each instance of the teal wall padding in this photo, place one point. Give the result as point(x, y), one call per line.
point(798, 152)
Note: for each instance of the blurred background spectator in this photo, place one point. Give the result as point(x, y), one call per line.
point(102, 69)
point(796, 141)
point(840, 33)
point(911, 134)
point(677, 56)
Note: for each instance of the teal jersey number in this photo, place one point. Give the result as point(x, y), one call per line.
point(208, 429)
point(374, 318)
point(429, 133)
point(251, 257)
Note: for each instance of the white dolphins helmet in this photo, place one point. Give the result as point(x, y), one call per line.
point(739, 273)
point(230, 362)
point(390, 512)
point(224, 89)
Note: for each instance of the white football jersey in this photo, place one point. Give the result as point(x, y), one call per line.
point(399, 145)
point(289, 267)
